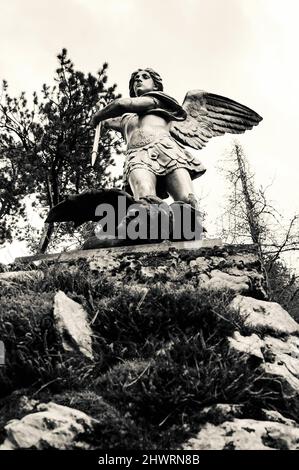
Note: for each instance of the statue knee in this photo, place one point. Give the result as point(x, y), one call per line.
point(144, 189)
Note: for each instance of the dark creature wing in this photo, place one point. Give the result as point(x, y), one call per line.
point(80, 208)
point(209, 115)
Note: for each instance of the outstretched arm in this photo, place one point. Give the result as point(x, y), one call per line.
point(124, 105)
point(113, 123)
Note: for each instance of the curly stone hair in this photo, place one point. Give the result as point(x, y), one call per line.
point(155, 76)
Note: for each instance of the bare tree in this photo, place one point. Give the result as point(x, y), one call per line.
point(250, 218)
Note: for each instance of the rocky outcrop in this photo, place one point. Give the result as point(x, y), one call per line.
point(148, 322)
point(206, 262)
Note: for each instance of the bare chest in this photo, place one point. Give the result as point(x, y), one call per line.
point(144, 128)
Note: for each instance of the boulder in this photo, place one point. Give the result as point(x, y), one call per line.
point(51, 427)
point(219, 280)
point(146, 273)
point(71, 322)
point(200, 264)
point(245, 434)
point(221, 412)
point(249, 260)
point(283, 351)
point(290, 383)
point(217, 414)
point(20, 276)
point(260, 314)
point(249, 345)
point(279, 357)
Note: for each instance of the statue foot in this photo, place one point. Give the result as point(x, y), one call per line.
point(150, 220)
point(187, 222)
point(154, 219)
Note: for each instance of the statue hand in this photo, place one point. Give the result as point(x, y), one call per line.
point(96, 117)
point(95, 120)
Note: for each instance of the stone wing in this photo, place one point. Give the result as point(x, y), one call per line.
point(209, 115)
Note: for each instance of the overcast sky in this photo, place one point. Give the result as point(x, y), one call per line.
point(243, 49)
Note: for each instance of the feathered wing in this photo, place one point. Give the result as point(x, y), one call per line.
point(209, 115)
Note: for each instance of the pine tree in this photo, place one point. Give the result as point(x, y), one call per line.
point(45, 146)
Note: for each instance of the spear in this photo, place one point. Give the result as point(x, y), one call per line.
point(95, 147)
point(97, 135)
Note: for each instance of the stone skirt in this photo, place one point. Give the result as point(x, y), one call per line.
point(161, 156)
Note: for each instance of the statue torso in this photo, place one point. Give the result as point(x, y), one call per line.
point(140, 130)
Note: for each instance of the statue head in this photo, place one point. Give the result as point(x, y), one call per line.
point(144, 80)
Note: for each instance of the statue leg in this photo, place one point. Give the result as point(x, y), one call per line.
point(179, 186)
point(143, 183)
point(143, 186)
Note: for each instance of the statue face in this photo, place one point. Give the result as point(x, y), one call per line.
point(143, 83)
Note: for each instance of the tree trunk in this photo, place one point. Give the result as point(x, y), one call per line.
point(251, 216)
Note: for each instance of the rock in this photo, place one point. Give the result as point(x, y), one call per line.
point(221, 281)
point(240, 260)
point(221, 412)
point(283, 352)
point(272, 415)
point(146, 274)
point(288, 381)
point(103, 263)
point(256, 281)
point(249, 345)
point(248, 260)
point(200, 264)
point(71, 323)
point(217, 262)
point(245, 434)
point(52, 426)
point(203, 280)
point(235, 271)
point(218, 274)
point(27, 404)
point(162, 270)
point(288, 345)
point(269, 349)
point(137, 289)
point(257, 314)
point(22, 275)
point(280, 359)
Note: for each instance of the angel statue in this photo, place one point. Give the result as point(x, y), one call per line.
point(157, 130)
